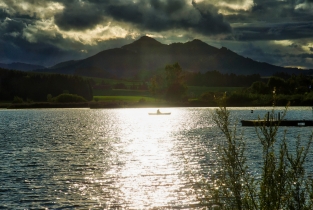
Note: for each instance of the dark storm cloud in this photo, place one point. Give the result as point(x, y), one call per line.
point(3, 14)
point(8, 26)
point(303, 55)
point(277, 57)
point(158, 15)
point(18, 17)
point(128, 13)
point(44, 52)
point(273, 20)
point(49, 54)
point(211, 22)
point(275, 32)
point(278, 11)
point(152, 15)
point(168, 7)
point(261, 10)
point(259, 54)
point(79, 16)
point(17, 48)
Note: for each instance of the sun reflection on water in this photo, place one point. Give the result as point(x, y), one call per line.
point(132, 160)
point(145, 165)
point(148, 177)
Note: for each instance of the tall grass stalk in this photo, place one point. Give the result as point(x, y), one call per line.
point(283, 184)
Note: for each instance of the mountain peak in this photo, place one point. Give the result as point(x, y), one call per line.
point(198, 41)
point(143, 43)
point(199, 46)
point(147, 40)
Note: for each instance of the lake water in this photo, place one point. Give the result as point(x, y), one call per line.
point(115, 158)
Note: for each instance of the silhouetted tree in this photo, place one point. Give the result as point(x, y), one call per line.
point(278, 83)
point(169, 84)
point(175, 87)
point(259, 87)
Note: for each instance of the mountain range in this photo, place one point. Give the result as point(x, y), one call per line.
point(147, 54)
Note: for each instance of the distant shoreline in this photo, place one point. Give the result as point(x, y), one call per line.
point(103, 105)
point(94, 105)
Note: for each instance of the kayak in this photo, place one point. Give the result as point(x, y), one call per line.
point(162, 113)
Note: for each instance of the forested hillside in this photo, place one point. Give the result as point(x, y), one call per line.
point(36, 86)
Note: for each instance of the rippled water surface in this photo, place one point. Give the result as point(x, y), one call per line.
point(113, 158)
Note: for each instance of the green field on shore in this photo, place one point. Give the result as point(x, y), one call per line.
point(121, 92)
point(128, 95)
point(196, 91)
point(123, 98)
point(193, 91)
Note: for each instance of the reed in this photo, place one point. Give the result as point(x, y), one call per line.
point(283, 184)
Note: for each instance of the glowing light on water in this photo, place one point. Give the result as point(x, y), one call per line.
point(113, 158)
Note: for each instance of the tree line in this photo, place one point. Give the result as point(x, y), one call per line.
point(218, 79)
point(283, 84)
point(37, 86)
point(278, 90)
point(172, 83)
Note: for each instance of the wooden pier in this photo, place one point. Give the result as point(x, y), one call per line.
point(277, 122)
point(274, 120)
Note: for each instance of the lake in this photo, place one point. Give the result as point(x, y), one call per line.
point(117, 158)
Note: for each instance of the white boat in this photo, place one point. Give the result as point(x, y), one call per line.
point(160, 113)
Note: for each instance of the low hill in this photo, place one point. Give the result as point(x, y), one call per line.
point(63, 64)
point(21, 66)
point(148, 54)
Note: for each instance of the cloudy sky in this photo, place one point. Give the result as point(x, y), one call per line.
point(46, 32)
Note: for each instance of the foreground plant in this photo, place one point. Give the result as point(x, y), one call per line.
point(283, 184)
